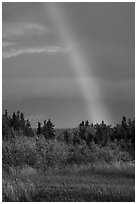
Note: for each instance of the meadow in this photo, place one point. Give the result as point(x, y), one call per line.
point(79, 185)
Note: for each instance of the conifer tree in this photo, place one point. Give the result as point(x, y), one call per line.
point(82, 130)
point(15, 122)
point(22, 121)
point(44, 129)
point(39, 129)
point(7, 132)
point(86, 123)
point(49, 130)
point(6, 113)
point(28, 130)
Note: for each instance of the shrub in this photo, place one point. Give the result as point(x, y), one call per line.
point(18, 153)
point(51, 154)
point(40, 153)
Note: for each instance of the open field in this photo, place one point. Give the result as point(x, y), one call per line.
point(79, 186)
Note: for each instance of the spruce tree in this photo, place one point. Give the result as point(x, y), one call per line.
point(44, 129)
point(15, 122)
point(22, 121)
point(50, 130)
point(28, 130)
point(39, 129)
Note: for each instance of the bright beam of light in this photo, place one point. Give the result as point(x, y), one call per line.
point(81, 67)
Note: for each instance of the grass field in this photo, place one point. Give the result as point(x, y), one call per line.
point(71, 185)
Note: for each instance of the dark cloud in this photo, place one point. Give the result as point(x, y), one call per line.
point(114, 62)
point(110, 23)
point(13, 10)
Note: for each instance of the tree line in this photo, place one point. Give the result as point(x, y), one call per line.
point(17, 124)
point(102, 134)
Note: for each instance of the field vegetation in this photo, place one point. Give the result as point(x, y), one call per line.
point(92, 162)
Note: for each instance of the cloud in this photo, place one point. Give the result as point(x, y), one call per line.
point(34, 50)
point(42, 86)
point(21, 29)
point(118, 91)
point(5, 44)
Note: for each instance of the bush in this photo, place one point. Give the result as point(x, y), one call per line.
point(18, 153)
point(78, 154)
point(51, 154)
point(39, 153)
point(108, 154)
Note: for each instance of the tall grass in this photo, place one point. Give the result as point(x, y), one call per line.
point(17, 190)
point(81, 184)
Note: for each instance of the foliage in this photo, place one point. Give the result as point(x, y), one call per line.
point(39, 153)
point(14, 125)
point(123, 134)
point(85, 150)
point(87, 143)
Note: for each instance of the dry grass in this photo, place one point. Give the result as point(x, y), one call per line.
point(114, 168)
point(77, 183)
point(24, 171)
point(17, 190)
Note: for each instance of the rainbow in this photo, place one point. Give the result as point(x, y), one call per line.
point(81, 67)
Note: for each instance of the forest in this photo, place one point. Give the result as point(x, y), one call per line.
point(92, 162)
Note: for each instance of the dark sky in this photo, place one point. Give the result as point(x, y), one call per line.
point(69, 61)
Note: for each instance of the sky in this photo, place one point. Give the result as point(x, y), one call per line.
point(69, 61)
